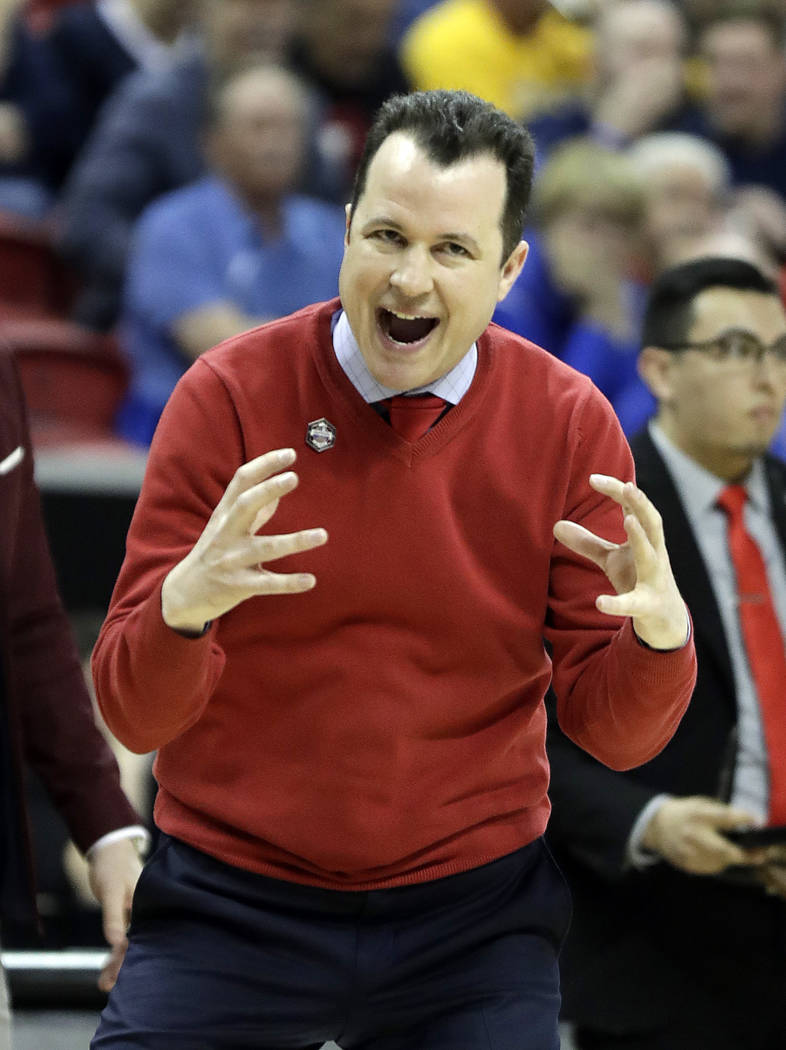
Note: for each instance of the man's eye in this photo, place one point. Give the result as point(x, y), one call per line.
point(452, 248)
point(388, 236)
point(735, 348)
point(742, 349)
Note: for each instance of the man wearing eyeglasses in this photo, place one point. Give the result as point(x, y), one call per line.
point(679, 932)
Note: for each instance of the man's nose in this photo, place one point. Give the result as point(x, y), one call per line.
point(412, 275)
point(768, 370)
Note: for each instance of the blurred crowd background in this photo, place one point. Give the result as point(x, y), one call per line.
point(173, 172)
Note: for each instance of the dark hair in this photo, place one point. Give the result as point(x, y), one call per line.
point(669, 313)
point(452, 126)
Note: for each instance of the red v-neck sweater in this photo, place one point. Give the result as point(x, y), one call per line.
point(388, 726)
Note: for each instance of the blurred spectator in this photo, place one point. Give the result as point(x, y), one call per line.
point(93, 45)
point(344, 49)
point(147, 142)
point(687, 184)
point(518, 54)
point(692, 211)
point(577, 296)
point(26, 186)
point(233, 250)
point(745, 106)
point(759, 215)
point(46, 718)
point(405, 13)
point(637, 83)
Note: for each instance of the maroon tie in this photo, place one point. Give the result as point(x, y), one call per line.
point(412, 416)
point(763, 640)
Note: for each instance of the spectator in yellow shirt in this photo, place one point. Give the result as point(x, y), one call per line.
point(521, 55)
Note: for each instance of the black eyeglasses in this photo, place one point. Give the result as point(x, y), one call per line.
point(738, 347)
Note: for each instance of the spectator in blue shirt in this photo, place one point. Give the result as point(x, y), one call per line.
point(578, 295)
point(235, 249)
point(146, 143)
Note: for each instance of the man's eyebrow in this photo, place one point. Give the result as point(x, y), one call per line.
point(463, 238)
point(382, 220)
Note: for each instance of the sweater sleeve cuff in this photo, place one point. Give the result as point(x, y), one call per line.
point(661, 668)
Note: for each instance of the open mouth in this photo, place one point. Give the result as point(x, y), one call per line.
point(405, 328)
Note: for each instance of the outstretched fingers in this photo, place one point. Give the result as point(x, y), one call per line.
point(581, 541)
point(259, 550)
point(634, 503)
point(252, 496)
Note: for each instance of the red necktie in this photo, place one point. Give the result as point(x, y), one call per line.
point(412, 416)
point(764, 643)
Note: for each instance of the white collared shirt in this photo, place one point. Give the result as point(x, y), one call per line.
point(452, 386)
point(698, 490)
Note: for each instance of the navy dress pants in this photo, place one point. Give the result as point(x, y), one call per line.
point(223, 959)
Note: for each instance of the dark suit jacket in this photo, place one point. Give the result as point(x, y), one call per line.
point(87, 63)
point(640, 939)
point(46, 716)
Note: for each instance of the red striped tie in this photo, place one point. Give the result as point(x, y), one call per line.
point(412, 416)
point(763, 640)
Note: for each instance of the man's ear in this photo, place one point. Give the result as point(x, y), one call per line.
point(655, 367)
point(511, 269)
point(348, 217)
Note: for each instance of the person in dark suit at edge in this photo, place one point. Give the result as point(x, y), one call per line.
point(673, 943)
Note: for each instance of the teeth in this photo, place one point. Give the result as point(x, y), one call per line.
point(409, 317)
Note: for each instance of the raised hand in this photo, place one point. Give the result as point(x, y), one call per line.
point(639, 569)
point(226, 564)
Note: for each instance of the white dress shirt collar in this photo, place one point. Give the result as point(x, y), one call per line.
point(698, 487)
point(452, 386)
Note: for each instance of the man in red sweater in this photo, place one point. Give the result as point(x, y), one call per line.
point(352, 775)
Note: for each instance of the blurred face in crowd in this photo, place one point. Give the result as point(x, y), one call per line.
point(257, 139)
point(722, 412)
point(422, 269)
point(581, 240)
point(238, 30)
point(345, 38)
point(636, 32)
point(681, 204)
point(746, 79)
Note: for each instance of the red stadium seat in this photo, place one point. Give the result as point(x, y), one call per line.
point(73, 378)
point(33, 278)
